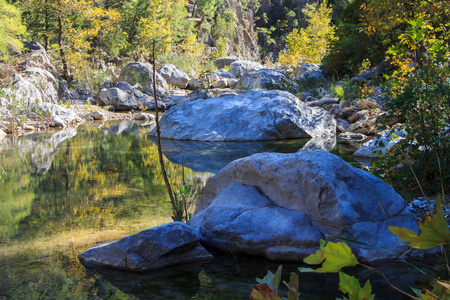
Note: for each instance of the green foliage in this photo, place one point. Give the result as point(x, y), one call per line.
point(11, 29)
point(350, 285)
point(338, 91)
point(271, 279)
point(419, 92)
point(207, 7)
point(352, 45)
point(310, 44)
point(223, 27)
point(17, 107)
point(441, 290)
point(334, 257)
point(267, 289)
point(434, 231)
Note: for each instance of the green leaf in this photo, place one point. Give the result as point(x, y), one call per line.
point(334, 256)
point(272, 280)
point(434, 231)
point(292, 285)
point(350, 285)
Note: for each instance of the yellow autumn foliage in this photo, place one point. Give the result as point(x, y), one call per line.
point(10, 29)
point(310, 44)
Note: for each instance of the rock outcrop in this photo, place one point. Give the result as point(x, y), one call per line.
point(223, 62)
point(255, 115)
point(280, 205)
point(127, 99)
point(152, 249)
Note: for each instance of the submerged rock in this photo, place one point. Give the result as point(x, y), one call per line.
point(155, 248)
point(255, 115)
point(280, 205)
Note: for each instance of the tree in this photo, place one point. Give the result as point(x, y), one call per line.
point(70, 25)
point(311, 43)
point(353, 45)
point(10, 29)
point(387, 15)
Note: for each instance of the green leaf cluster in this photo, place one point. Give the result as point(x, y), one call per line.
point(11, 28)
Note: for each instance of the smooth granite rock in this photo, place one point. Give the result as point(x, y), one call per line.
point(152, 249)
point(255, 115)
point(174, 76)
point(280, 205)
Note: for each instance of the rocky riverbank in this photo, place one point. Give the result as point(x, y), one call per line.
point(38, 97)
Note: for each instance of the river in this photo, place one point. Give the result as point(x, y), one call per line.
point(65, 191)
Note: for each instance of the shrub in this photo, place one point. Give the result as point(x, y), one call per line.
point(419, 92)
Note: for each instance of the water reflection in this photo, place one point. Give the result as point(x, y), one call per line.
point(65, 191)
point(233, 277)
point(213, 156)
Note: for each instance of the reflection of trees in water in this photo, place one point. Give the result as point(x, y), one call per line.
point(96, 179)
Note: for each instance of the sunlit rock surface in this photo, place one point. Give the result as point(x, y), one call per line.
point(254, 116)
point(155, 248)
point(174, 76)
point(280, 205)
point(141, 74)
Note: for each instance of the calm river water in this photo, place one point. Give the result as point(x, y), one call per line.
point(62, 192)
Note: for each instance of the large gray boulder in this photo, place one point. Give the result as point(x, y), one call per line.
point(306, 68)
point(241, 67)
point(174, 76)
point(280, 205)
point(222, 73)
point(263, 78)
point(118, 98)
point(38, 58)
point(130, 100)
point(222, 62)
point(255, 115)
point(155, 248)
point(142, 74)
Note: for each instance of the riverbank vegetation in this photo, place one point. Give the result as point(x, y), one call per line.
point(88, 41)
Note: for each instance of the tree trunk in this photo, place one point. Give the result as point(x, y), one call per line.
point(61, 50)
point(175, 209)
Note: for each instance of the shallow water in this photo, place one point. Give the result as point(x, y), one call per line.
point(65, 191)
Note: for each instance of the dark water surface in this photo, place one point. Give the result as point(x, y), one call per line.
point(63, 192)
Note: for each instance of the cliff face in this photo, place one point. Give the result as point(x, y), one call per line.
point(245, 43)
